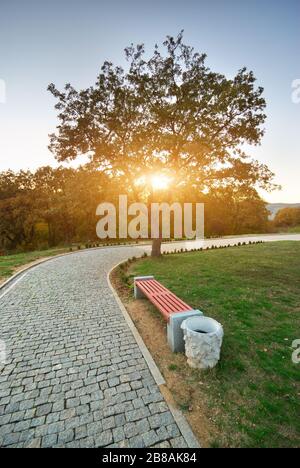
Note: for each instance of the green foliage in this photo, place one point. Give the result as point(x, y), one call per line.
point(167, 112)
point(287, 217)
point(235, 211)
point(173, 367)
point(51, 206)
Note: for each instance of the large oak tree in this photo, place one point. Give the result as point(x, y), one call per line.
point(169, 114)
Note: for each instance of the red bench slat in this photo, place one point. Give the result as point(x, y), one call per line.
point(165, 301)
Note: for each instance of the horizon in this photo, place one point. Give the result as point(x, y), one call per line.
point(263, 37)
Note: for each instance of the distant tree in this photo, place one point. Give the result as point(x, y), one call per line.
point(287, 217)
point(167, 114)
point(50, 206)
point(232, 210)
point(18, 212)
point(68, 199)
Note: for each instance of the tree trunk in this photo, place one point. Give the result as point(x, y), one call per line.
point(156, 243)
point(156, 248)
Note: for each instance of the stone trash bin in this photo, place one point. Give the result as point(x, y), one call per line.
point(203, 338)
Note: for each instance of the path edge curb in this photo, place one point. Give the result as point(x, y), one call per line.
point(178, 416)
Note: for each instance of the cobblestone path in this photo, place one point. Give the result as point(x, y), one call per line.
point(75, 376)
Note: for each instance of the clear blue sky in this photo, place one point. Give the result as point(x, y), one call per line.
point(67, 41)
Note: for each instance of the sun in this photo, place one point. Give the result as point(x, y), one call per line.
point(157, 181)
point(160, 182)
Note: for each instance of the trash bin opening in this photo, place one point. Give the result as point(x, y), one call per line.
point(202, 325)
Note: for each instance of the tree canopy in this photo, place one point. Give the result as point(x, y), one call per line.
point(169, 114)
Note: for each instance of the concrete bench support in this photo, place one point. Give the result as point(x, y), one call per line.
point(138, 294)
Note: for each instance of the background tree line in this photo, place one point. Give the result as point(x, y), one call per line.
point(287, 217)
point(55, 206)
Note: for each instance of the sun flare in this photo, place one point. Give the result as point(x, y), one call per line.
point(160, 182)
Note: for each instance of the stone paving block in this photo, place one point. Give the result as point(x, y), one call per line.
point(136, 442)
point(108, 423)
point(94, 428)
point(81, 432)
point(104, 439)
point(10, 439)
point(118, 434)
point(43, 410)
point(49, 441)
point(65, 436)
point(33, 444)
point(150, 438)
point(178, 442)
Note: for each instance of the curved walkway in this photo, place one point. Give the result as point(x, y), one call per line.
point(75, 376)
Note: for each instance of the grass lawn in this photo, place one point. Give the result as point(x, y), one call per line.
point(11, 263)
point(290, 230)
point(252, 396)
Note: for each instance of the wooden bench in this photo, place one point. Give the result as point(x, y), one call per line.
point(163, 299)
point(172, 308)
